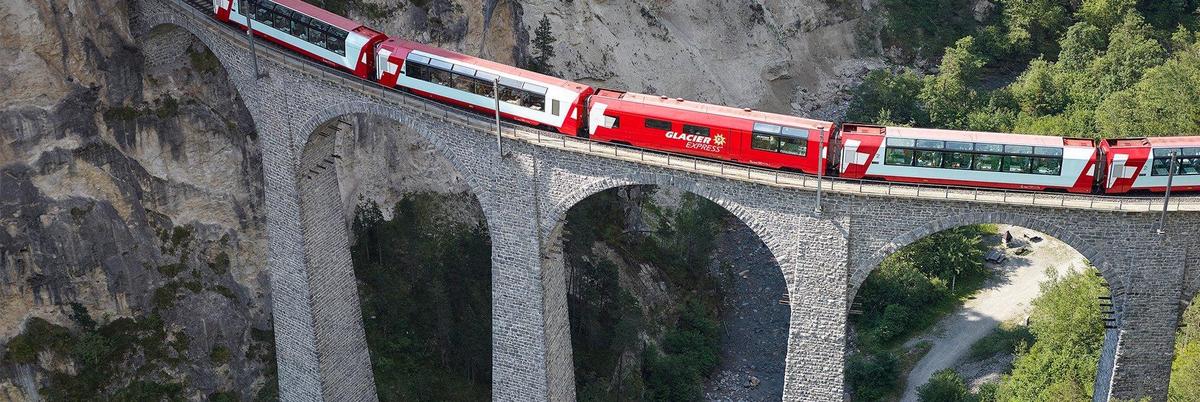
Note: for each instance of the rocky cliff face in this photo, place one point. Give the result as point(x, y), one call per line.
point(132, 187)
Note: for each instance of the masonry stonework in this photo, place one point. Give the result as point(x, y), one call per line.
point(526, 190)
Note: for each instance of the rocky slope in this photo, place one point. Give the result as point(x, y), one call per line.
point(133, 189)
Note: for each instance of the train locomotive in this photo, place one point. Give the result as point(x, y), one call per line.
point(739, 135)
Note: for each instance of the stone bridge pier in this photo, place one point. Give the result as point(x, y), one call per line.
point(526, 190)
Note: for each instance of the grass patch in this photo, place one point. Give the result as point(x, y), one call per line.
point(1007, 338)
point(171, 270)
point(204, 61)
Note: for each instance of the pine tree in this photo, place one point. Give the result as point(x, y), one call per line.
point(543, 46)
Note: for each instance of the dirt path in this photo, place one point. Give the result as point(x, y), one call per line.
point(754, 325)
point(1004, 298)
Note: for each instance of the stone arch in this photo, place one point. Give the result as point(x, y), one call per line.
point(1093, 254)
point(559, 358)
point(558, 210)
point(151, 21)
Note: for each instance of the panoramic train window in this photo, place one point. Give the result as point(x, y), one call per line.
point(928, 158)
point(957, 160)
point(695, 130)
point(297, 25)
point(481, 83)
point(658, 124)
point(1050, 166)
point(898, 156)
point(1016, 164)
point(988, 163)
point(1187, 161)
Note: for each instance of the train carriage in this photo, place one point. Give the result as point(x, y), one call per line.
point(308, 30)
point(1134, 164)
point(967, 158)
point(466, 81)
point(719, 132)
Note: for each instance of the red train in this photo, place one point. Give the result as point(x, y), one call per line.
point(915, 155)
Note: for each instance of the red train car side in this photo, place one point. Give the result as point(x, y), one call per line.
point(711, 131)
point(1133, 164)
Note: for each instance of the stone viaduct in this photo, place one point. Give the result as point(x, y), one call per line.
point(526, 190)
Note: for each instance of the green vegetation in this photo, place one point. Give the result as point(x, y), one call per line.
point(909, 292)
point(102, 356)
point(204, 61)
point(543, 47)
point(1007, 338)
point(372, 11)
point(425, 286)
point(1185, 369)
point(945, 386)
point(607, 320)
point(1068, 331)
point(1110, 68)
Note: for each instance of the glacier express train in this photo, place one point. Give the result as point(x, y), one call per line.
point(849, 150)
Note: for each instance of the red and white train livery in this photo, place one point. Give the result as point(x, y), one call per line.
point(1143, 163)
point(466, 81)
point(307, 29)
point(915, 155)
point(967, 158)
point(740, 135)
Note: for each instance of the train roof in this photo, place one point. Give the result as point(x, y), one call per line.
point(707, 108)
point(987, 137)
point(323, 15)
point(460, 58)
point(1139, 142)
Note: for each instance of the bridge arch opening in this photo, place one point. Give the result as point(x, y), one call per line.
point(391, 215)
point(669, 294)
point(1022, 310)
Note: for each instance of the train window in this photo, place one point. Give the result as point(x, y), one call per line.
point(486, 76)
point(1047, 151)
point(794, 146)
point(931, 144)
point(611, 122)
point(1017, 164)
point(1018, 149)
point(1160, 166)
point(1050, 166)
point(900, 142)
point(1191, 152)
point(510, 95)
point(440, 77)
point(534, 88)
point(759, 141)
point(464, 70)
point(481, 87)
point(928, 158)
point(441, 64)
point(662, 125)
point(695, 130)
point(418, 58)
point(462, 82)
point(898, 156)
point(534, 101)
point(994, 148)
point(1165, 152)
point(795, 133)
point(767, 128)
point(959, 146)
point(554, 107)
point(418, 71)
point(1189, 166)
point(957, 160)
point(987, 162)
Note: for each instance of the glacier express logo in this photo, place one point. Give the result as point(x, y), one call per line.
point(710, 144)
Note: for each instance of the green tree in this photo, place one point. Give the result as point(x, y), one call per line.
point(945, 386)
point(1105, 13)
point(949, 96)
point(1165, 102)
point(1185, 369)
point(887, 97)
point(543, 47)
point(1065, 321)
point(1131, 52)
point(1082, 43)
point(1038, 91)
point(1033, 25)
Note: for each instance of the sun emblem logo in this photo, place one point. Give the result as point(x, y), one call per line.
point(719, 139)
